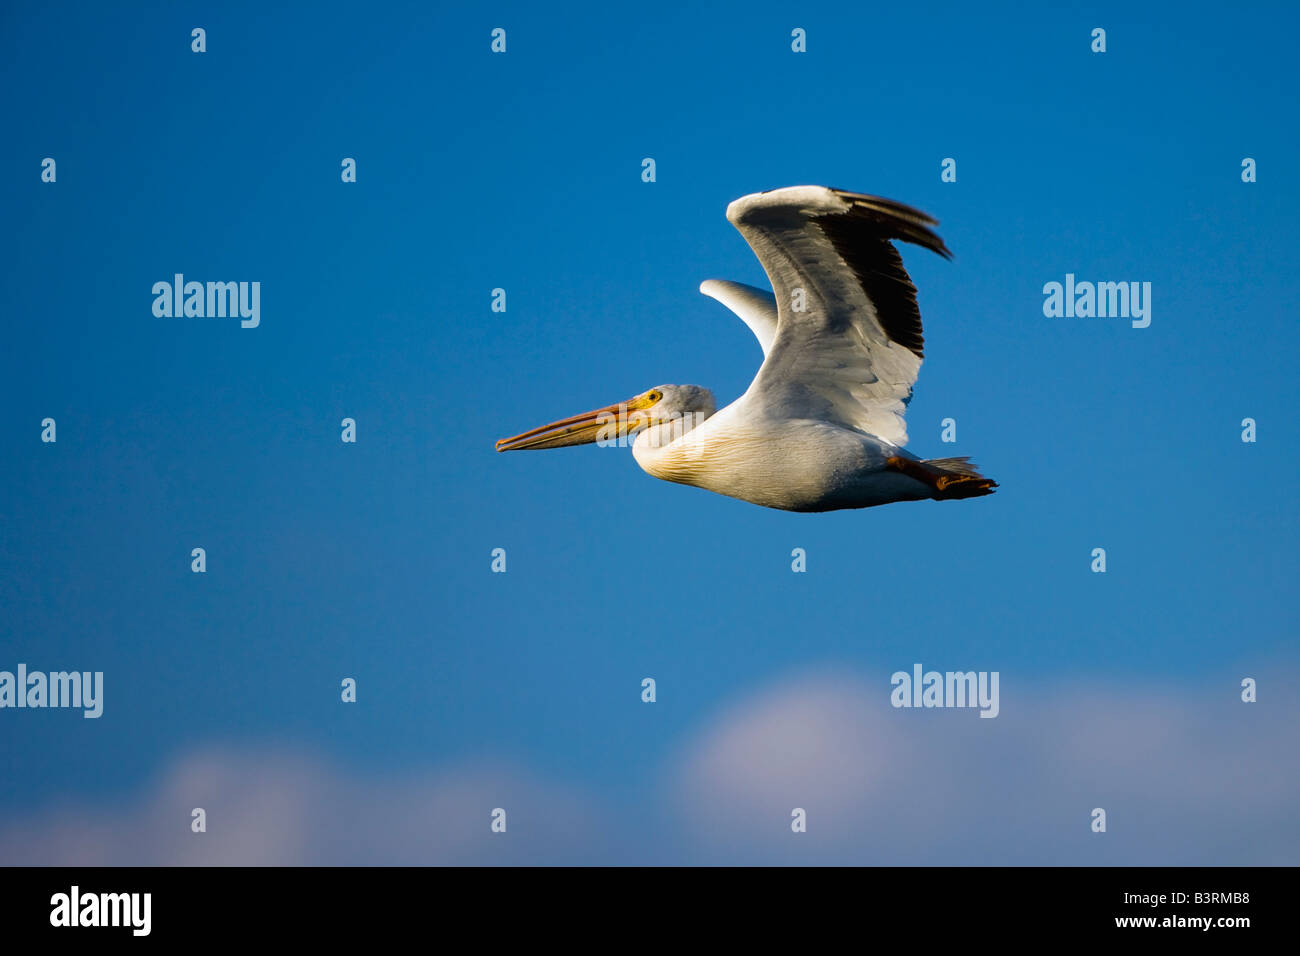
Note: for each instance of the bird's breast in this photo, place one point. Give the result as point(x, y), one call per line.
point(792, 465)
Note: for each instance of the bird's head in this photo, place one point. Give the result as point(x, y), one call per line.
point(681, 407)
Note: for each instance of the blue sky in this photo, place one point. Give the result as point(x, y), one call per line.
point(523, 171)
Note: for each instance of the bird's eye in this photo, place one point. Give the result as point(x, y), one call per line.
point(655, 396)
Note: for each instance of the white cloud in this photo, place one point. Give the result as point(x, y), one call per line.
point(282, 808)
point(1187, 775)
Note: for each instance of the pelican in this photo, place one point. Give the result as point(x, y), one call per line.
point(821, 426)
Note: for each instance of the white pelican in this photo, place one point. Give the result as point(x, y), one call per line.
point(821, 426)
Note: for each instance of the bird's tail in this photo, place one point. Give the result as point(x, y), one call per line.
point(960, 479)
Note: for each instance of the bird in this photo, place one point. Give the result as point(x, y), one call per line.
point(821, 427)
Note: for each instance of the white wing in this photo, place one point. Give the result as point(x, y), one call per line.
point(756, 307)
point(847, 345)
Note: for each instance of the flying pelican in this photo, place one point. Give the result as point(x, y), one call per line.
point(821, 426)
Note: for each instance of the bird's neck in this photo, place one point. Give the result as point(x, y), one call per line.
point(657, 447)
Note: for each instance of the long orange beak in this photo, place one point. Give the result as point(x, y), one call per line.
point(606, 424)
